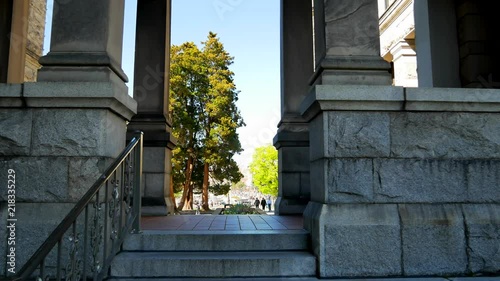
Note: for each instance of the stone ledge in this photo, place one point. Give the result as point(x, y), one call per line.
point(451, 99)
point(69, 95)
point(11, 95)
point(352, 97)
point(80, 95)
point(391, 98)
point(291, 139)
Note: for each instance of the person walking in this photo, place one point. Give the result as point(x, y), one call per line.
point(263, 203)
point(268, 201)
point(256, 203)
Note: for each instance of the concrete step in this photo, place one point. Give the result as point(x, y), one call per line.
point(199, 241)
point(214, 264)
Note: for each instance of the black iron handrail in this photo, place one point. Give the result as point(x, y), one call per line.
point(121, 205)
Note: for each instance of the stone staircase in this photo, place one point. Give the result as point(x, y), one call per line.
point(216, 255)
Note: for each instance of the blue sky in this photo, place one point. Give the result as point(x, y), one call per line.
point(249, 30)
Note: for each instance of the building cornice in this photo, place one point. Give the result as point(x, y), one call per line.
point(393, 12)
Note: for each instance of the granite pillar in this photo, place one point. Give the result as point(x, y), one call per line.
point(437, 43)
point(151, 90)
point(347, 46)
point(349, 238)
point(86, 42)
point(292, 139)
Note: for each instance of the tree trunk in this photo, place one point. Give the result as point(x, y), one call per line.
point(189, 199)
point(204, 197)
point(187, 183)
point(172, 195)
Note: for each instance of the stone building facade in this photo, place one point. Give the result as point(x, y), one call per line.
point(397, 40)
point(25, 28)
point(462, 42)
point(34, 45)
point(391, 180)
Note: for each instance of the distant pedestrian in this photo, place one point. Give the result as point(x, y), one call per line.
point(197, 206)
point(256, 203)
point(268, 201)
point(263, 203)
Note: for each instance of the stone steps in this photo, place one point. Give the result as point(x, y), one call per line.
point(214, 264)
point(239, 255)
point(261, 240)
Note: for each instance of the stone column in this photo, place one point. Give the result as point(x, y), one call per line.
point(59, 135)
point(347, 44)
point(292, 140)
point(86, 42)
point(349, 237)
point(151, 90)
point(22, 26)
point(437, 43)
point(404, 59)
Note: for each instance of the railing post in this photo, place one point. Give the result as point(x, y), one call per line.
point(137, 181)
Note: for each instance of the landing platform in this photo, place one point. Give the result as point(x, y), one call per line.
point(242, 223)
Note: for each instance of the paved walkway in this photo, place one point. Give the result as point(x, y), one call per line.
point(222, 222)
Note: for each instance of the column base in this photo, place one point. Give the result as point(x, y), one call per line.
point(156, 200)
point(74, 66)
point(159, 210)
point(81, 74)
point(353, 70)
point(292, 142)
point(289, 206)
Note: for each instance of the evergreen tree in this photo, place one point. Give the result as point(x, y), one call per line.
point(204, 120)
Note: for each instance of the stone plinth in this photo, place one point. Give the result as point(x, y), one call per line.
point(156, 172)
point(417, 167)
point(59, 138)
point(293, 172)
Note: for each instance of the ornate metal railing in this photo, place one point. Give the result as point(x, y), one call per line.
point(83, 245)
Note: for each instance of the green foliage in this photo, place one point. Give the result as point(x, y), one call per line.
point(264, 169)
point(204, 116)
point(239, 186)
point(240, 209)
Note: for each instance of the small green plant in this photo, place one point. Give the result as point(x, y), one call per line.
point(239, 209)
